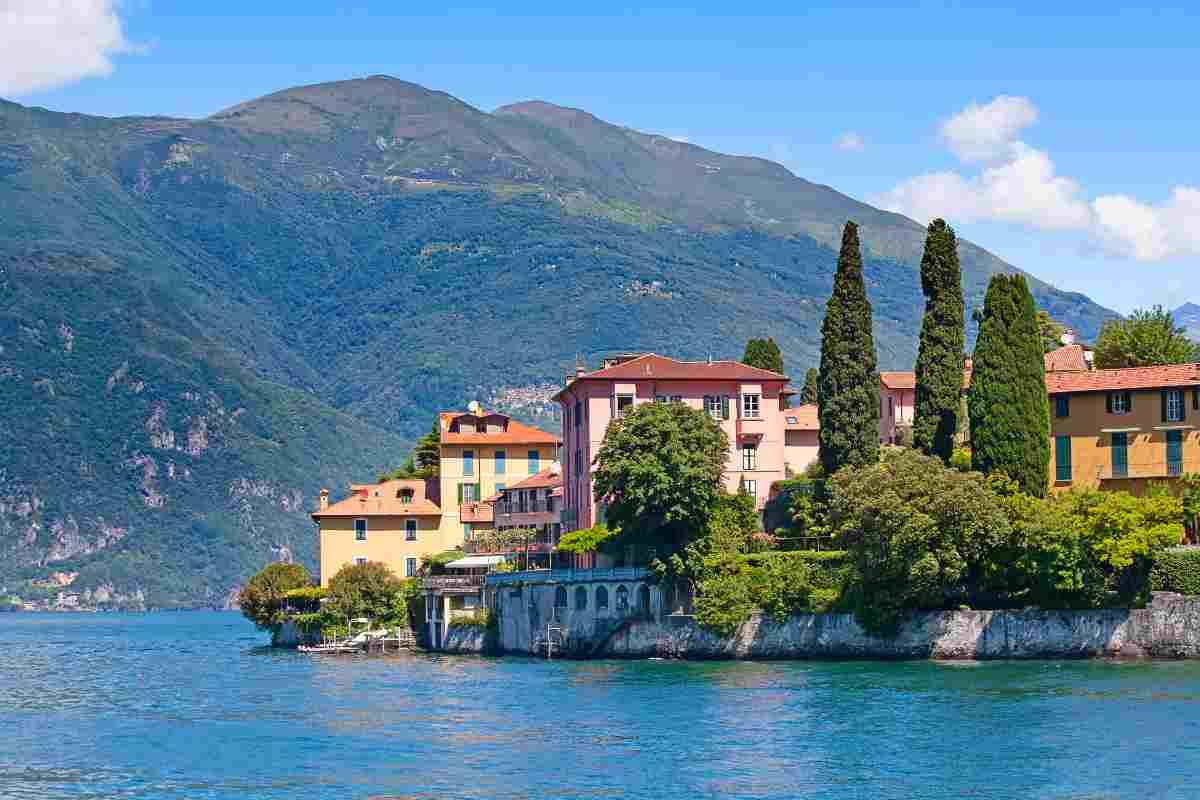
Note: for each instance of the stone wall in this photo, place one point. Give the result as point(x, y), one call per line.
point(468, 639)
point(1169, 628)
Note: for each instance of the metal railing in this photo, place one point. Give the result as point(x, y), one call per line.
point(452, 582)
point(569, 575)
point(1166, 468)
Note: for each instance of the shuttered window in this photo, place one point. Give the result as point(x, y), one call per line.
point(1062, 405)
point(1062, 458)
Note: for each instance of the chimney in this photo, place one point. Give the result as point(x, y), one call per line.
point(324, 502)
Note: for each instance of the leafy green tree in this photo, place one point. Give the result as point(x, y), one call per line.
point(940, 354)
point(764, 354)
point(848, 383)
point(1008, 405)
point(808, 395)
point(261, 600)
point(364, 590)
point(427, 452)
point(920, 534)
point(659, 470)
point(1149, 337)
point(1051, 331)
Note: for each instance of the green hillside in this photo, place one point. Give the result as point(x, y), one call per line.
point(203, 321)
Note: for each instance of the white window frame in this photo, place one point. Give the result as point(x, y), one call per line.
point(1175, 405)
point(751, 449)
point(363, 538)
point(712, 405)
point(620, 409)
point(410, 530)
point(360, 560)
point(752, 406)
point(751, 488)
point(1118, 403)
point(410, 567)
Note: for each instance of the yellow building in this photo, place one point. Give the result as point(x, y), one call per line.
point(400, 521)
point(393, 522)
point(1122, 428)
point(482, 453)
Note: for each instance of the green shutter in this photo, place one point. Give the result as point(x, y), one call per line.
point(460, 494)
point(725, 407)
point(1062, 458)
point(1164, 405)
point(478, 493)
point(1129, 402)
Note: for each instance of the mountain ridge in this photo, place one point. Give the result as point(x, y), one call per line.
point(316, 272)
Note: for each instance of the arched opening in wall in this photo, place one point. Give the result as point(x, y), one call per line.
point(580, 598)
point(560, 597)
point(601, 598)
point(643, 599)
point(622, 600)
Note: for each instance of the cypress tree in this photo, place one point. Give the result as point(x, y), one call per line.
point(940, 357)
point(848, 383)
point(1008, 406)
point(808, 395)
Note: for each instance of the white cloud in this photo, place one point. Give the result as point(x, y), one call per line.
point(46, 43)
point(1020, 186)
point(850, 141)
point(988, 132)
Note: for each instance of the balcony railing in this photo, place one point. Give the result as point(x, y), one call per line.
point(1166, 468)
point(569, 575)
point(537, 507)
point(452, 582)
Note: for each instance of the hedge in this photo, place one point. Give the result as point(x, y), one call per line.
point(1176, 571)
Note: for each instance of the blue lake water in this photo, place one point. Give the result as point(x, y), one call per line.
point(189, 705)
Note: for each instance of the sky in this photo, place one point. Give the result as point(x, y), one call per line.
point(1060, 136)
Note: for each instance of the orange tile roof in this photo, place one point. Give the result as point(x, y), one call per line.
point(382, 499)
point(656, 367)
point(547, 478)
point(805, 416)
point(1066, 359)
point(516, 433)
point(1104, 380)
point(898, 380)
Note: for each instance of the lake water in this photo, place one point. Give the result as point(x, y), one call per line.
point(189, 705)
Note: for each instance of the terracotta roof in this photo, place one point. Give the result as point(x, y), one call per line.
point(547, 478)
point(802, 418)
point(382, 499)
point(898, 380)
point(516, 433)
point(653, 366)
point(1066, 359)
point(1104, 380)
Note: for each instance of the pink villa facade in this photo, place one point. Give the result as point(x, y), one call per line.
point(897, 399)
point(748, 403)
point(800, 441)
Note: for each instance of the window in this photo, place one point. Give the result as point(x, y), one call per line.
point(714, 406)
point(468, 460)
point(466, 531)
point(1174, 453)
point(751, 489)
point(624, 401)
point(500, 459)
point(360, 530)
point(532, 457)
point(1120, 402)
point(1120, 455)
point(1062, 459)
point(410, 530)
point(750, 403)
point(1062, 405)
point(580, 598)
point(622, 600)
point(749, 457)
point(578, 413)
point(661, 398)
point(560, 597)
point(791, 420)
point(468, 493)
point(405, 495)
point(676, 398)
point(360, 560)
point(601, 597)
point(891, 406)
point(578, 462)
point(500, 488)
point(1173, 405)
point(410, 567)
point(644, 599)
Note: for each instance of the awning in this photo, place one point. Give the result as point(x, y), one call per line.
point(475, 561)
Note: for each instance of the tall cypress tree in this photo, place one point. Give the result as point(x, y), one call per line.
point(1008, 405)
point(808, 395)
point(848, 383)
point(940, 357)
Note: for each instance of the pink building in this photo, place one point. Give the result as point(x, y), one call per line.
point(801, 447)
point(747, 401)
point(897, 398)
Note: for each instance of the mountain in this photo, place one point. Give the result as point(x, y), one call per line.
point(1187, 316)
point(202, 321)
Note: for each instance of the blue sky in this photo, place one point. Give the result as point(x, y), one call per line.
point(1062, 137)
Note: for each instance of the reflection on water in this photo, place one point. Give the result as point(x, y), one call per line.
point(191, 705)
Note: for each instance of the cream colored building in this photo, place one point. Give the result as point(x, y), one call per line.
point(481, 454)
point(393, 522)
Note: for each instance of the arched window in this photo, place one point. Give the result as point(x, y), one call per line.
point(622, 599)
point(560, 597)
point(644, 599)
point(601, 597)
point(580, 598)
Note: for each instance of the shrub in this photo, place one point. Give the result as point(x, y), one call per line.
point(587, 540)
point(731, 587)
point(261, 601)
point(1176, 571)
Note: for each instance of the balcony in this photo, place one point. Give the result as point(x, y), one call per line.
point(1149, 470)
point(466, 584)
point(751, 428)
point(611, 574)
